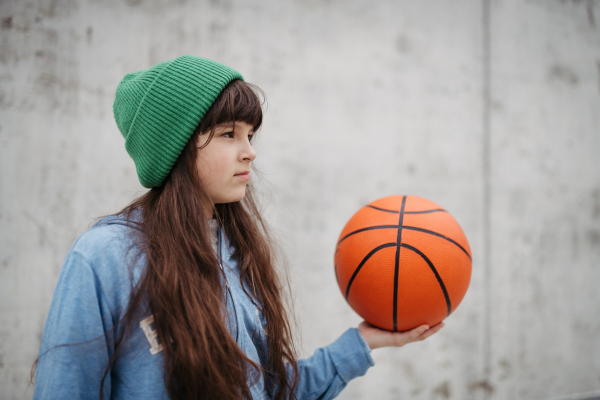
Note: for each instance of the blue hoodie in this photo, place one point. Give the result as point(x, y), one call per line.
point(92, 295)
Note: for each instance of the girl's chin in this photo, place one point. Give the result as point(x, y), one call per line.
point(231, 199)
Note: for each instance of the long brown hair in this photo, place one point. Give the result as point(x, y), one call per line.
point(181, 286)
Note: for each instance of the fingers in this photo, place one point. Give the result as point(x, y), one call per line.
point(401, 338)
point(417, 334)
point(418, 331)
point(430, 331)
point(414, 333)
point(377, 338)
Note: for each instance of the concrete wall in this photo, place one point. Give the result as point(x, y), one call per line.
point(491, 109)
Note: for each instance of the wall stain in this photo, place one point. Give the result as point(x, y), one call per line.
point(7, 22)
point(416, 391)
point(50, 83)
point(589, 9)
point(518, 202)
point(75, 36)
point(216, 27)
point(226, 4)
point(564, 74)
point(575, 245)
point(593, 237)
point(497, 105)
point(89, 34)
point(57, 8)
point(51, 35)
point(133, 2)
point(598, 65)
point(596, 203)
point(409, 370)
point(50, 10)
point(7, 95)
point(402, 44)
point(43, 236)
point(443, 389)
point(482, 385)
point(505, 368)
point(590, 13)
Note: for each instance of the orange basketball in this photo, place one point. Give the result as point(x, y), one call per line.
point(403, 261)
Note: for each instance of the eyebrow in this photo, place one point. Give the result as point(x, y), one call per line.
point(226, 125)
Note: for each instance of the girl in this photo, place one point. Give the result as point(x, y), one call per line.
point(177, 296)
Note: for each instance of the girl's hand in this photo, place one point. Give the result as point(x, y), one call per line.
point(377, 338)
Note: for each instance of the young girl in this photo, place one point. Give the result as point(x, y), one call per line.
point(177, 296)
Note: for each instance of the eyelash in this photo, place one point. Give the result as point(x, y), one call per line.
point(233, 134)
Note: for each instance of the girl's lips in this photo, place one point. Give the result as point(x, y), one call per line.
point(243, 175)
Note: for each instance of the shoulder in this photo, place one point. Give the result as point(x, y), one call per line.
point(108, 236)
point(109, 250)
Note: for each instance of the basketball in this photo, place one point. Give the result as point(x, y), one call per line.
point(403, 261)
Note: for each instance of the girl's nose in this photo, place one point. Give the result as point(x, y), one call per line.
point(248, 152)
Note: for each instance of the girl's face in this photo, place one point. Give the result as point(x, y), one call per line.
point(224, 164)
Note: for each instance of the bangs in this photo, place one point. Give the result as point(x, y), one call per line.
point(238, 101)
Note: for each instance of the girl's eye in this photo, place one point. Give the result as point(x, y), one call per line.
point(228, 134)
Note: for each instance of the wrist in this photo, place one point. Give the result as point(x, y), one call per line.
point(367, 338)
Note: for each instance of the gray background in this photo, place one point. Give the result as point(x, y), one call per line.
point(491, 109)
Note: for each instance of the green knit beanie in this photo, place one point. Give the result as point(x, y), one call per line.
point(158, 109)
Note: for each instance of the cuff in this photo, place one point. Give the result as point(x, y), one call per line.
point(351, 355)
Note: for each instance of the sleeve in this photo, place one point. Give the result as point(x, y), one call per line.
point(323, 375)
point(78, 336)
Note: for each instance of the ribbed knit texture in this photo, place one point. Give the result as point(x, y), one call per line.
point(158, 109)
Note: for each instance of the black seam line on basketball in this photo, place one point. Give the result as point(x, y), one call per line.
point(368, 229)
point(426, 211)
point(438, 277)
point(364, 260)
point(413, 228)
point(407, 212)
point(397, 264)
point(383, 209)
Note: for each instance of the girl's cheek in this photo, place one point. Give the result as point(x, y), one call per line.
point(209, 173)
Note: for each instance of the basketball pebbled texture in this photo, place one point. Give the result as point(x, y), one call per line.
point(403, 261)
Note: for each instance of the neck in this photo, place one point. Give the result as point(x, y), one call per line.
point(208, 210)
